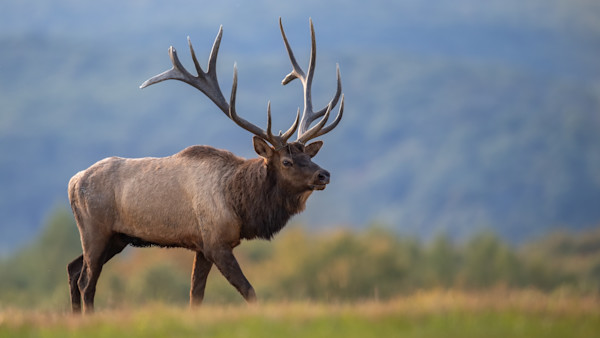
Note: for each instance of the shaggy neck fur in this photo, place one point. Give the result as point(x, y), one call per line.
point(260, 200)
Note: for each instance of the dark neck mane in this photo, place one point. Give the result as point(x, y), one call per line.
point(263, 207)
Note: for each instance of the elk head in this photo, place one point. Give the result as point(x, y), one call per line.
point(290, 162)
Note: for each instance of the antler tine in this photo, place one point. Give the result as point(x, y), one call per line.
point(336, 97)
point(312, 132)
point(269, 133)
point(212, 59)
point(196, 63)
point(292, 129)
point(296, 72)
point(308, 115)
point(281, 139)
point(242, 122)
point(335, 122)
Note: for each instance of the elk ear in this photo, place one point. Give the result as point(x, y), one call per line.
point(261, 147)
point(313, 148)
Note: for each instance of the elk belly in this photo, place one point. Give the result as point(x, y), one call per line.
point(154, 206)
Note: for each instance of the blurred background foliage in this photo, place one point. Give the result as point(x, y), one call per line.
point(334, 265)
point(470, 141)
point(461, 115)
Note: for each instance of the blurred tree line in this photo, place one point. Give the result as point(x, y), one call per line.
point(338, 265)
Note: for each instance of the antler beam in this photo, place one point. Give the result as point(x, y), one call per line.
point(309, 115)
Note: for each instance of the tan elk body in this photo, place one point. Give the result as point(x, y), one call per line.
point(203, 199)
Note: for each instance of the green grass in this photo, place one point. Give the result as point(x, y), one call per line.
point(430, 314)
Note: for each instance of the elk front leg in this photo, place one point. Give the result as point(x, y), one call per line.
point(199, 274)
point(229, 267)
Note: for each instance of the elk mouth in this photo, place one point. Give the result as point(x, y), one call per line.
point(318, 186)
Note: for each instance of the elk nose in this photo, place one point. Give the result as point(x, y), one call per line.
point(323, 176)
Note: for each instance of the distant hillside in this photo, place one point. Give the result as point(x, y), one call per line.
point(459, 116)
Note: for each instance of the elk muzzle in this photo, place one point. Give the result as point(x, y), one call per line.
point(320, 180)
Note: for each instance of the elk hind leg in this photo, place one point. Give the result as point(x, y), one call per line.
point(75, 268)
point(94, 258)
point(87, 282)
point(74, 271)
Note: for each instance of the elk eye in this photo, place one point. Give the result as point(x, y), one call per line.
point(287, 163)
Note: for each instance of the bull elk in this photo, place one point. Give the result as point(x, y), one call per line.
point(202, 199)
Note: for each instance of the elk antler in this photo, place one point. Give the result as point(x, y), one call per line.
point(308, 115)
point(208, 84)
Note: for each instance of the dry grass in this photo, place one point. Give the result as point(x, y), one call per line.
point(432, 313)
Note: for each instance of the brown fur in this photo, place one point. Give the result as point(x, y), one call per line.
point(203, 199)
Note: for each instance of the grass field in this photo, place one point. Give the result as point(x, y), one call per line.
point(427, 314)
